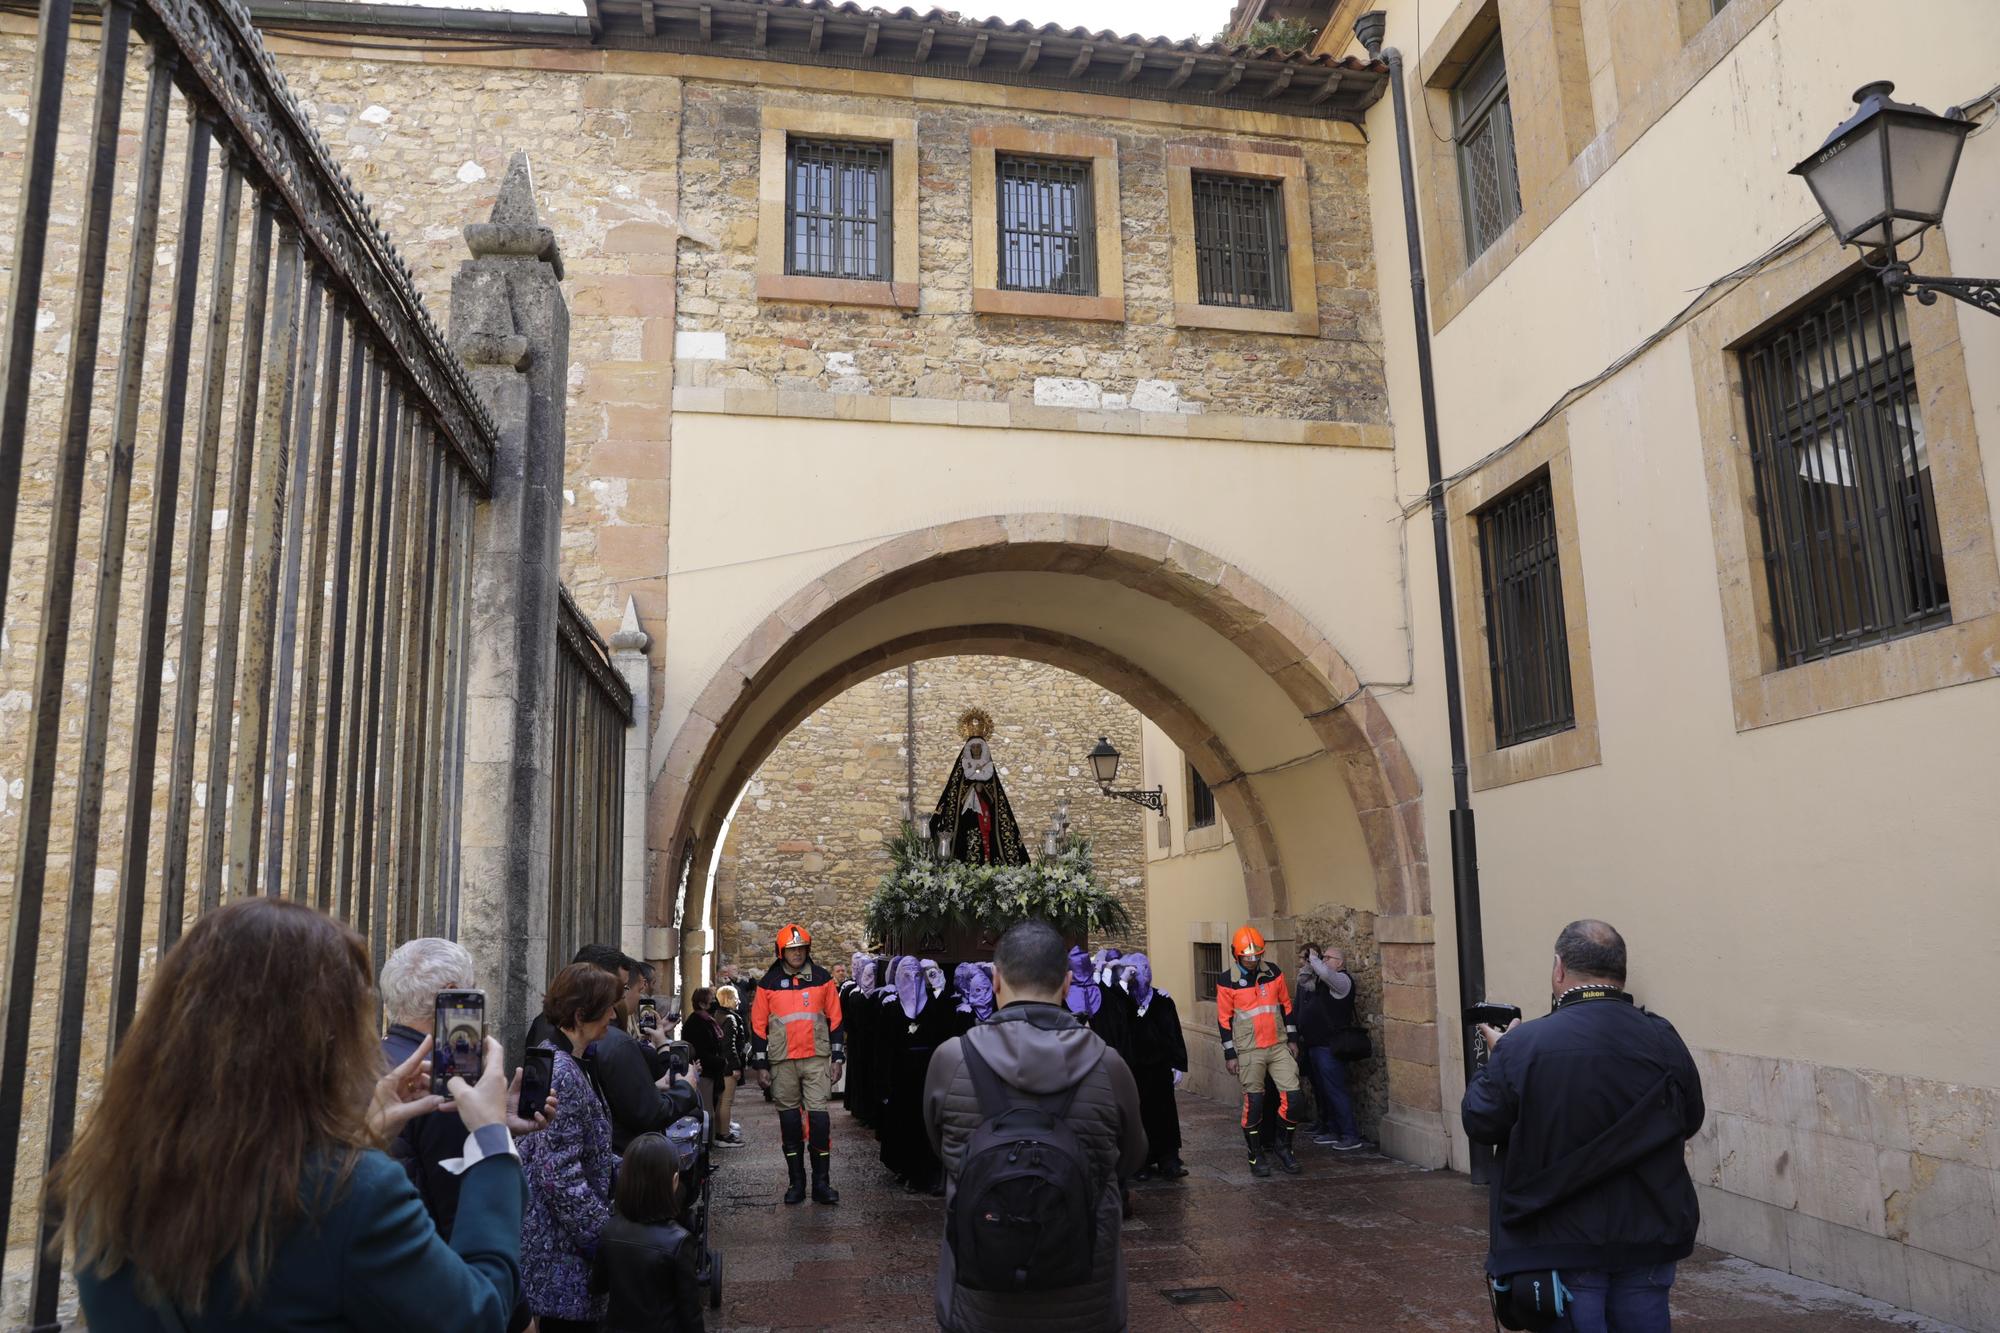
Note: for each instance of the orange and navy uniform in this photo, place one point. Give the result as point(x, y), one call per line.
point(1255, 1009)
point(804, 1006)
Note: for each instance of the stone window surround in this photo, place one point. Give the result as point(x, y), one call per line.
point(1101, 151)
point(1565, 751)
point(900, 133)
point(1552, 107)
point(1282, 163)
point(1209, 836)
point(1953, 654)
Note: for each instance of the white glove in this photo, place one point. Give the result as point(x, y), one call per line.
point(1179, 1074)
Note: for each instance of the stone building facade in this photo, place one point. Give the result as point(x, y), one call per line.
point(806, 842)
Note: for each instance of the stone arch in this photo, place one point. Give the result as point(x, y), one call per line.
point(1349, 725)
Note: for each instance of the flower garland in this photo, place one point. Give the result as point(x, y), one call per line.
point(923, 896)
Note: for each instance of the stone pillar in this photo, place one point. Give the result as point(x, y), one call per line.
point(628, 659)
point(510, 323)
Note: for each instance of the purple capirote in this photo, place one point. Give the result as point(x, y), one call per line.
point(911, 993)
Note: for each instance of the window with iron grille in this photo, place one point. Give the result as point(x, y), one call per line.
point(838, 206)
point(1482, 117)
point(1208, 967)
point(1201, 801)
point(1844, 500)
point(1239, 242)
point(1527, 640)
point(1048, 237)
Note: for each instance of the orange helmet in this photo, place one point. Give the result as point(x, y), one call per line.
point(794, 937)
point(1247, 940)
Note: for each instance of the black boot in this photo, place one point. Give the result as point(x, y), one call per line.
point(1283, 1149)
point(1253, 1132)
point(821, 1129)
point(794, 1137)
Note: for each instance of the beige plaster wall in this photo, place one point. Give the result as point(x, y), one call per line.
point(1811, 902)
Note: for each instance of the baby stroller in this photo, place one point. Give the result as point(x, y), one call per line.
point(691, 1137)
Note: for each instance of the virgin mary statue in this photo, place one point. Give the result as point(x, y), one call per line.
point(973, 821)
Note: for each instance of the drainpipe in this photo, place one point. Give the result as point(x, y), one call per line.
point(1370, 28)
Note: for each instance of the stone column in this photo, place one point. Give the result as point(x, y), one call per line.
point(628, 659)
point(510, 323)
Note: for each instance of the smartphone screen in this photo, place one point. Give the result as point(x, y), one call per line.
point(458, 1043)
point(538, 1071)
point(649, 1012)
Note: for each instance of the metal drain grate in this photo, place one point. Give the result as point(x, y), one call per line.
point(1196, 1295)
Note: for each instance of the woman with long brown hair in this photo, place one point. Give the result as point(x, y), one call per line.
point(230, 1176)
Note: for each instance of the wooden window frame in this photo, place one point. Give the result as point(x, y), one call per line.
point(1472, 116)
point(779, 126)
point(1280, 163)
point(1101, 152)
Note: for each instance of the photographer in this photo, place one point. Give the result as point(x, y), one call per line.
point(1588, 1109)
point(640, 1101)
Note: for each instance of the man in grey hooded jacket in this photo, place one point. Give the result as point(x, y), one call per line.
point(1040, 1050)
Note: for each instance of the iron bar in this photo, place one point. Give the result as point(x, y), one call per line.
point(59, 575)
point(334, 819)
point(127, 944)
point(315, 611)
point(356, 872)
point(292, 506)
point(201, 529)
point(223, 711)
point(384, 734)
point(261, 590)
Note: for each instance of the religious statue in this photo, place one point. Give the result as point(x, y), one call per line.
point(973, 821)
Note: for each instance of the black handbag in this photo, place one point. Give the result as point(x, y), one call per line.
point(1532, 1300)
point(1350, 1044)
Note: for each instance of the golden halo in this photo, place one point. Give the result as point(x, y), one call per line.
point(975, 722)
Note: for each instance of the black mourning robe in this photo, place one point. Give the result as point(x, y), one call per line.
point(855, 1013)
point(1114, 1019)
point(1158, 1048)
point(967, 841)
point(909, 1043)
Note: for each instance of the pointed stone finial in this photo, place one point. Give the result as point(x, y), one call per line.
point(629, 638)
point(515, 227)
point(516, 205)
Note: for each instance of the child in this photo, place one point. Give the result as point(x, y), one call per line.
point(645, 1260)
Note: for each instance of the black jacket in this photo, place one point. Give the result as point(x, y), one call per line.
point(1320, 1014)
point(427, 1141)
point(1589, 1108)
point(705, 1032)
point(617, 1061)
point(649, 1273)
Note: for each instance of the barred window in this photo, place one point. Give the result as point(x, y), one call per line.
point(1239, 242)
point(1201, 801)
point(1843, 477)
point(1048, 237)
point(838, 207)
point(1208, 967)
point(1482, 115)
point(1527, 640)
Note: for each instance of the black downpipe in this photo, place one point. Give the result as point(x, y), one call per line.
point(1470, 931)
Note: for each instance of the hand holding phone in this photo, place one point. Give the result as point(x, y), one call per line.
point(1492, 1014)
point(458, 1039)
point(534, 1082)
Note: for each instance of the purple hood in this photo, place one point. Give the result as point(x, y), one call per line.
point(1139, 977)
point(1084, 997)
point(975, 984)
point(911, 993)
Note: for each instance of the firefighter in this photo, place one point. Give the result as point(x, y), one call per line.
point(1253, 1008)
point(801, 1060)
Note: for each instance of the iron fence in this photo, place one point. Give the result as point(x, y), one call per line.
point(285, 631)
point(593, 707)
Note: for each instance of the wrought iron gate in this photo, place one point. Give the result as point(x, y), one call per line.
point(587, 833)
point(273, 657)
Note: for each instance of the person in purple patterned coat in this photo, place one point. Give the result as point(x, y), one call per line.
point(570, 1164)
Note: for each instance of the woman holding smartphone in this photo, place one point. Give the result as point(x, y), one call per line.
point(317, 1227)
point(570, 1164)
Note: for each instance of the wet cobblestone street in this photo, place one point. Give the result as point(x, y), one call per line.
point(1359, 1242)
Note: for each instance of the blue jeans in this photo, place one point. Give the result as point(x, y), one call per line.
point(1621, 1300)
point(1329, 1080)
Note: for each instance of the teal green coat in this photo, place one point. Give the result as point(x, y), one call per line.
point(372, 1262)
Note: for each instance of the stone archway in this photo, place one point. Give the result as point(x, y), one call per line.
point(798, 657)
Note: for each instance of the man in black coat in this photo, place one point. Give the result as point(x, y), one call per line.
point(639, 1102)
point(1587, 1110)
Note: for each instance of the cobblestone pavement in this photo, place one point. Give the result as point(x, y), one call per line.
point(1359, 1242)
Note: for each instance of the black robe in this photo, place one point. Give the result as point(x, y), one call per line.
point(855, 1016)
point(1116, 1014)
point(908, 1044)
point(1158, 1049)
point(951, 820)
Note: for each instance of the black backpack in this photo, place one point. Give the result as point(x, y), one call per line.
point(1024, 1217)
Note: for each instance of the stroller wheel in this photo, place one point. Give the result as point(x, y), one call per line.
point(715, 1279)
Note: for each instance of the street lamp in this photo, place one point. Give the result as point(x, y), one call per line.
point(1882, 178)
point(1104, 767)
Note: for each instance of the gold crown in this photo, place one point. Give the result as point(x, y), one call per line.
point(975, 722)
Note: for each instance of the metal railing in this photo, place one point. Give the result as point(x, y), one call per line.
point(286, 632)
point(593, 707)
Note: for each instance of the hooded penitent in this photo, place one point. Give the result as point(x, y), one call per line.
point(864, 973)
point(1084, 995)
point(933, 976)
point(887, 976)
point(1139, 978)
point(975, 986)
point(911, 993)
point(854, 962)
